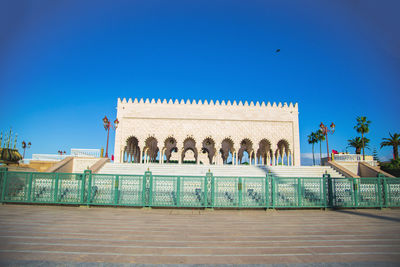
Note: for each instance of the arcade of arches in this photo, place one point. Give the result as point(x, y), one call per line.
point(207, 151)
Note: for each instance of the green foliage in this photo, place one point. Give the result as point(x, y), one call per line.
point(375, 155)
point(320, 135)
point(312, 139)
point(362, 127)
point(357, 143)
point(393, 141)
point(392, 167)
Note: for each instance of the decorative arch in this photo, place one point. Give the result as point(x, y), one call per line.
point(208, 146)
point(246, 145)
point(227, 146)
point(169, 147)
point(132, 150)
point(189, 144)
point(151, 148)
point(264, 151)
point(282, 151)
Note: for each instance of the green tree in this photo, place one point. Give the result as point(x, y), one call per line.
point(320, 137)
point(358, 143)
point(375, 155)
point(362, 127)
point(312, 139)
point(393, 141)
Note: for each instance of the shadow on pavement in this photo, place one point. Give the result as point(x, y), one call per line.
point(370, 215)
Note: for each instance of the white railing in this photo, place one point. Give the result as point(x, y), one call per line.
point(354, 157)
point(93, 153)
point(48, 157)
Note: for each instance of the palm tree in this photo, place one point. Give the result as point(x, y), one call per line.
point(357, 143)
point(320, 137)
point(312, 139)
point(362, 127)
point(393, 141)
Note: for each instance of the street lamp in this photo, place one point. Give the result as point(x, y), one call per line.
point(24, 146)
point(107, 126)
point(325, 131)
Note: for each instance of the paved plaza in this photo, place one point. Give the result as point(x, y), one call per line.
point(48, 235)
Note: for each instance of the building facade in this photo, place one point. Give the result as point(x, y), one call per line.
point(207, 132)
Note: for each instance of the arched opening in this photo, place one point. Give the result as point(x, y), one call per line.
point(150, 150)
point(132, 150)
point(264, 152)
point(245, 151)
point(189, 145)
point(169, 148)
point(208, 146)
point(282, 153)
point(227, 150)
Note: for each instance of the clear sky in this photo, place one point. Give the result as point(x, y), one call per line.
point(63, 64)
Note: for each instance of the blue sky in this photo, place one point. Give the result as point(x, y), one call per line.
point(63, 64)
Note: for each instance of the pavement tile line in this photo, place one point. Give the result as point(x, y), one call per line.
point(202, 241)
point(141, 233)
point(186, 247)
point(174, 225)
point(198, 255)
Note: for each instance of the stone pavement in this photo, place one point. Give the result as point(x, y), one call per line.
point(59, 235)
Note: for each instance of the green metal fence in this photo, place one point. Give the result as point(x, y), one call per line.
point(150, 190)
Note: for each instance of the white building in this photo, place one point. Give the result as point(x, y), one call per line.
point(207, 132)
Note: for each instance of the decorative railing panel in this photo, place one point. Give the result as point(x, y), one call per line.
point(130, 190)
point(254, 192)
point(202, 191)
point(343, 194)
point(226, 192)
point(69, 188)
point(312, 192)
point(392, 192)
point(165, 191)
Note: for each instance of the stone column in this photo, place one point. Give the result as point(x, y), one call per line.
point(236, 159)
point(180, 157)
point(140, 154)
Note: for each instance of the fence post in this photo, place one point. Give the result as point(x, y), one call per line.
point(209, 190)
point(385, 192)
point(379, 181)
point(330, 190)
point(148, 188)
point(178, 191)
point(267, 203)
point(355, 191)
point(299, 192)
point(116, 190)
point(56, 188)
point(273, 191)
point(30, 187)
point(87, 174)
point(240, 192)
point(381, 189)
point(324, 181)
point(3, 190)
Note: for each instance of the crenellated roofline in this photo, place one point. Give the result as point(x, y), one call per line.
point(228, 103)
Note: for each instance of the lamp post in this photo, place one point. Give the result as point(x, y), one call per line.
point(325, 131)
point(107, 126)
point(24, 146)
